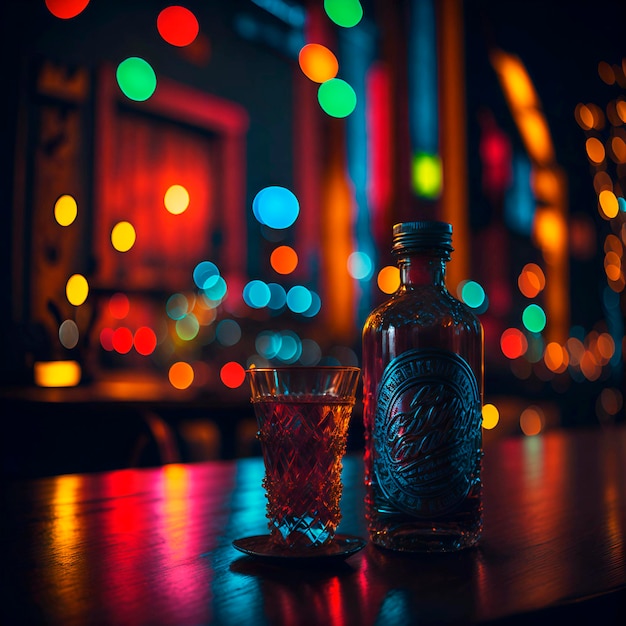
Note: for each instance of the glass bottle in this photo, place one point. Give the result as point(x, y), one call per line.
point(422, 382)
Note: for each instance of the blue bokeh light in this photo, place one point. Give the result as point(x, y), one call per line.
point(276, 207)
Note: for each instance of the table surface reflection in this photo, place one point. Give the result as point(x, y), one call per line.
point(153, 546)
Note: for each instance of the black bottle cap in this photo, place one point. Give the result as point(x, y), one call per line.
point(411, 236)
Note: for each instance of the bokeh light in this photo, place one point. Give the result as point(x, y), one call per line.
point(315, 306)
point(233, 374)
point(267, 343)
point(491, 416)
point(122, 340)
point(69, 334)
point(346, 13)
point(106, 338)
point(299, 299)
point(311, 352)
point(145, 340)
point(556, 357)
point(513, 343)
point(531, 280)
point(177, 306)
point(278, 296)
point(77, 289)
point(427, 175)
point(181, 375)
point(228, 332)
point(284, 259)
point(318, 63)
point(389, 279)
point(119, 305)
point(205, 274)
point(360, 266)
point(472, 294)
point(66, 9)
point(290, 347)
point(531, 421)
point(177, 25)
point(534, 318)
point(256, 294)
point(136, 78)
point(123, 236)
point(609, 205)
point(336, 97)
point(595, 150)
point(276, 207)
point(188, 327)
point(176, 199)
point(65, 210)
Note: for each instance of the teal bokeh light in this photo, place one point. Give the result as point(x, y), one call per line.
point(534, 318)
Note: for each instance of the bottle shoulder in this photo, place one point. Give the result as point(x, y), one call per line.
point(422, 306)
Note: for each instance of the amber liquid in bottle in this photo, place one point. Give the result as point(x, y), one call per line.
point(423, 378)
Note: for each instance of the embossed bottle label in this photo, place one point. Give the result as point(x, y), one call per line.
point(426, 432)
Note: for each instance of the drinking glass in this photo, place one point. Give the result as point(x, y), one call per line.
point(303, 414)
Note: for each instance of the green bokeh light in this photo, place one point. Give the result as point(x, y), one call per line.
point(136, 78)
point(346, 13)
point(427, 175)
point(534, 318)
point(336, 97)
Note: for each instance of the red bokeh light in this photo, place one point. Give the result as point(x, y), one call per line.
point(145, 340)
point(513, 343)
point(177, 25)
point(233, 374)
point(66, 9)
point(106, 339)
point(122, 340)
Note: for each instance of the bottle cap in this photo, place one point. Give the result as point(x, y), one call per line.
point(411, 236)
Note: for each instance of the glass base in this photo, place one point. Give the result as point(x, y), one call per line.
point(425, 540)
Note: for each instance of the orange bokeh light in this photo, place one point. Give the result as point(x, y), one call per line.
point(284, 259)
point(389, 279)
point(181, 375)
point(318, 63)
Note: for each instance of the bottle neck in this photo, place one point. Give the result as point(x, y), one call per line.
point(420, 269)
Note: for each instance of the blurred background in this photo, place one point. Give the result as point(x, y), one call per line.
point(190, 190)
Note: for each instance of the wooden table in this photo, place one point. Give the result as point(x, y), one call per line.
point(153, 546)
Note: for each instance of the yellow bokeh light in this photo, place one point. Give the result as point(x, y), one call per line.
point(389, 279)
point(123, 236)
point(550, 231)
point(491, 416)
point(77, 289)
point(318, 63)
point(176, 199)
point(181, 375)
point(56, 373)
point(609, 205)
point(65, 210)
